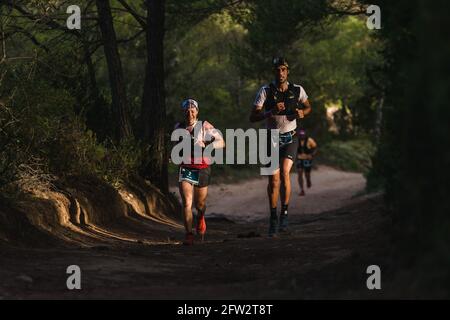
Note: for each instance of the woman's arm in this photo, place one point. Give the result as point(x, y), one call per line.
point(214, 136)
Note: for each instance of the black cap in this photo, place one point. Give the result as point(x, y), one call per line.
point(279, 61)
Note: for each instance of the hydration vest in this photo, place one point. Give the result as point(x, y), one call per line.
point(289, 97)
point(203, 164)
point(304, 148)
point(182, 125)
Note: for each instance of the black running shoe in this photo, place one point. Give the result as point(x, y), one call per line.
point(283, 222)
point(273, 224)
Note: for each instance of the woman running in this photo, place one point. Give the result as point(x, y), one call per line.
point(307, 149)
point(194, 175)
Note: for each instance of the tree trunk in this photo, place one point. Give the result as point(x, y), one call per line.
point(153, 115)
point(117, 84)
point(2, 34)
point(379, 119)
point(93, 92)
point(238, 93)
point(96, 111)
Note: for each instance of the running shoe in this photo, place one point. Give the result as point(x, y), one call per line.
point(201, 225)
point(273, 222)
point(302, 193)
point(283, 222)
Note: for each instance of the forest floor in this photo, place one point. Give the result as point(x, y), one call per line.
point(336, 232)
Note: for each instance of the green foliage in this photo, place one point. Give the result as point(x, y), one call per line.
point(351, 155)
point(218, 54)
point(121, 162)
point(54, 108)
point(31, 113)
point(333, 63)
point(329, 57)
point(200, 66)
point(336, 63)
point(273, 26)
point(42, 137)
point(334, 59)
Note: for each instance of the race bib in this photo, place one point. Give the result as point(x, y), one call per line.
point(307, 163)
point(189, 175)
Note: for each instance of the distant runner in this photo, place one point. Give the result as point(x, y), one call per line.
point(280, 103)
point(307, 149)
point(194, 177)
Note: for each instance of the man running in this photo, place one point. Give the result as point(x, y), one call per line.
point(280, 103)
point(194, 175)
point(307, 149)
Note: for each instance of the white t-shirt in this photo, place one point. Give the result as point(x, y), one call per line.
point(280, 122)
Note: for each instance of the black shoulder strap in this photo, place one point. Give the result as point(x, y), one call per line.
point(295, 90)
point(272, 90)
point(270, 95)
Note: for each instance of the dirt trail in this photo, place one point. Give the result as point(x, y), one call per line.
point(333, 238)
point(247, 201)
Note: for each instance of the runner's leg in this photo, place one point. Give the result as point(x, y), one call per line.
point(300, 178)
point(308, 177)
point(286, 165)
point(187, 194)
point(200, 195)
point(273, 189)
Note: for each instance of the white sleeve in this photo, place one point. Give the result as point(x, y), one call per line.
point(260, 98)
point(303, 96)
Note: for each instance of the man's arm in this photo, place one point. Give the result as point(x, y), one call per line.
point(301, 113)
point(258, 114)
point(307, 109)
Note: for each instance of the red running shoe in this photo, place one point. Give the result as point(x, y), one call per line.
point(201, 225)
point(189, 239)
point(302, 193)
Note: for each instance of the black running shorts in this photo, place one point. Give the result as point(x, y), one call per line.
point(203, 175)
point(286, 151)
point(304, 164)
point(289, 150)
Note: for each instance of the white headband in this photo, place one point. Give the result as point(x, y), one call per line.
point(188, 102)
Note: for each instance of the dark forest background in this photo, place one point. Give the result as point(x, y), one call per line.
point(102, 100)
